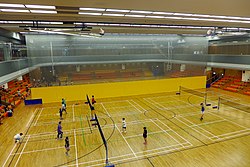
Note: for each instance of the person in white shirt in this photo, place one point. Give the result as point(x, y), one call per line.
point(124, 126)
point(18, 137)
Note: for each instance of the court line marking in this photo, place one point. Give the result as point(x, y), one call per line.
point(29, 122)
point(207, 123)
point(200, 128)
point(40, 150)
point(125, 140)
point(167, 133)
point(138, 105)
point(10, 154)
point(230, 121)
point(73, 112)
point(235, 132)
point(133, 136)
point(232, 136)
point(75, 148)
point(134, 106)
point(105, 110)
point(125, 159)
point(22, 151)
point(38, 117)
point(191, 127)
point(174, 131)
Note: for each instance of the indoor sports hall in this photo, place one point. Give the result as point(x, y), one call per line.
point(149, 84)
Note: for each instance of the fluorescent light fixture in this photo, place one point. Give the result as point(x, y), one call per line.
point(27, 22)
point(40, 6)
point(177, 18)
point(84, 13)
point(111, 14)
point(14, 10)
point(163, 13)
point(93, 9)
point(43, 22)
point(182, 14)
point(130, 15)
point(12, 5)
point(117, 10)
point(43, 11)
point(157, 17)
point(190, 18)
point(140, 11)
point(15, 22)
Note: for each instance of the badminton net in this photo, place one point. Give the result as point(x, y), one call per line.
point(233, 104)
point(194, 92)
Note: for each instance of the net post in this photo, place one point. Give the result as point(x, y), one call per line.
point(205, 98)
point(218, 104)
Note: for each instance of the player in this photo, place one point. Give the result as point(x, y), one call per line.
point(145, 135)
point(67, 146)
point(59, 131)
point(64, 108)
point(60, 112)
point(124, 126)
point(64, 102)
point(93, 100)
point(92, 113)
point(202, 111)
point(18, 137)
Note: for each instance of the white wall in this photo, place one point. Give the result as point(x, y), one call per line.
point(246, 76)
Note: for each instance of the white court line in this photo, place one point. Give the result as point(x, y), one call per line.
point(21, 152)
point(32, 116)
point(232, 136)
point(9, 154)
point(230, 121)
point(174, 131)
point(105, 110)
point(235, 132)
point(38, 117)
point(200, 127)
point(125, 141)
point(167, 133)
point(41, 150)
point(76, 148)
point(207, 123)
point(67, 105)
point(134, 106)
point(125, 159)
point(73, 112)
point(132, 136)
point(192, 128)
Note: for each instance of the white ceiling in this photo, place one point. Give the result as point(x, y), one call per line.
point(68, 11)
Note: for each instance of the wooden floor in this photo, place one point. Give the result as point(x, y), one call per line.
point(176, 136)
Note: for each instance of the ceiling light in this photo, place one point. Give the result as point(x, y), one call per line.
point(128, 15)
point(15, 22)
point(12, 5)
point(94, 9)
point(40, 6)
point(157, 17)
point(14, 10)
point(111, 14)
point(178, 18)
point(140, 11)
point(27, 22)
point(163, 13)
point(43, 11)
point(117, 10)
point(182, 14)
point(96, 14)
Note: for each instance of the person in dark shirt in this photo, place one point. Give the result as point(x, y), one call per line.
point(67, 146)
point(60, 112)
point(202, 111)
point(145, 135)
point(59, 131)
